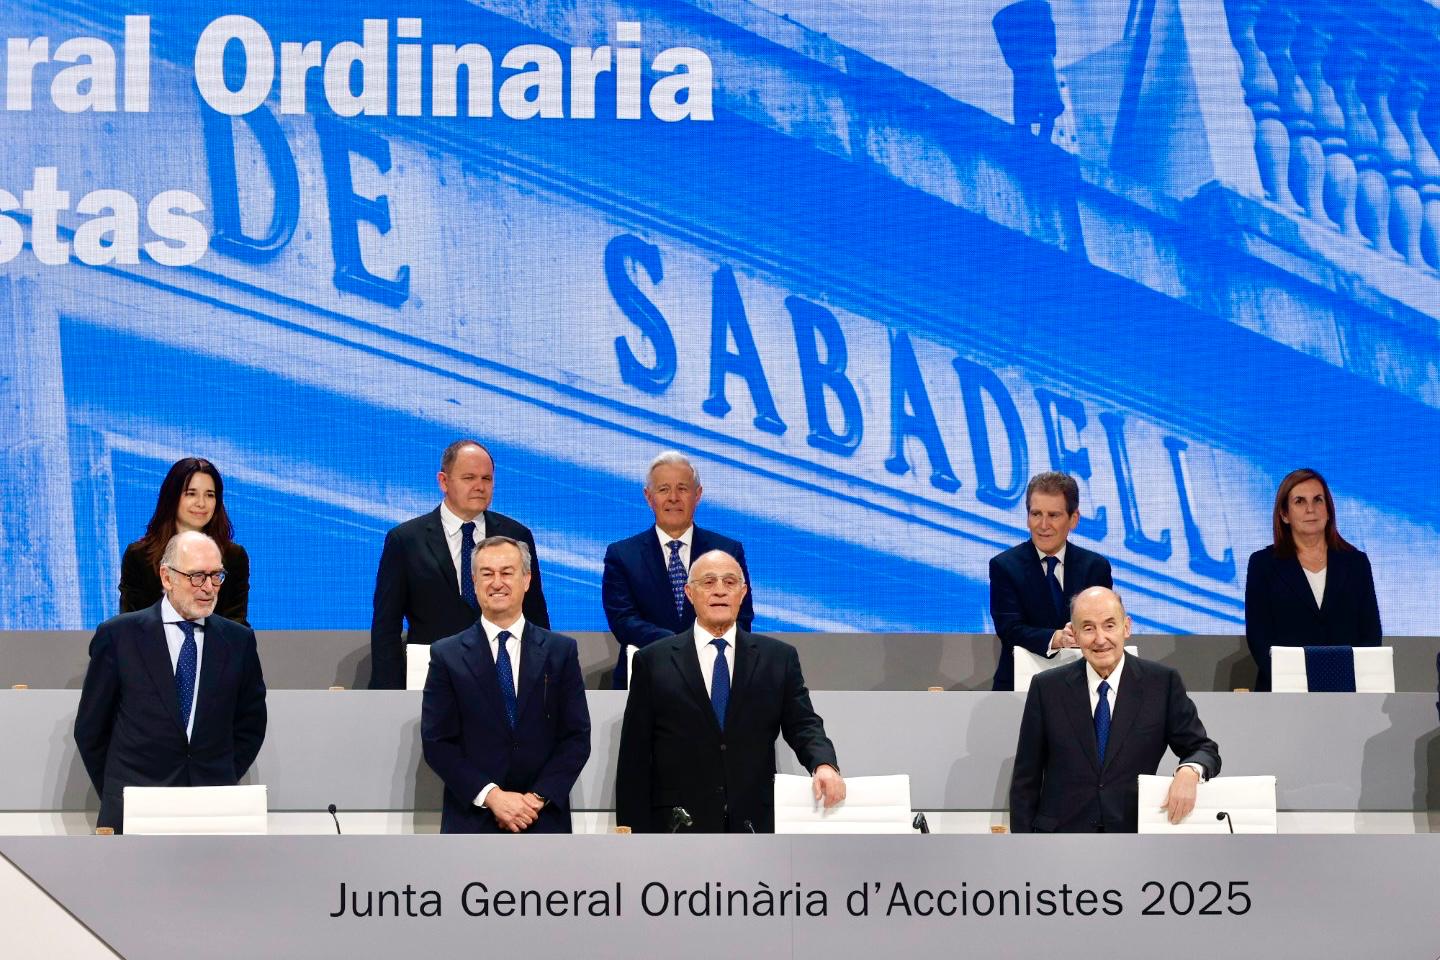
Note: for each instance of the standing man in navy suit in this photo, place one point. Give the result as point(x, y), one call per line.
point(424, 574)
point(1091, 727)
point(643, 587)
point(1031, 585)
point(504, 720)
point(174, 696)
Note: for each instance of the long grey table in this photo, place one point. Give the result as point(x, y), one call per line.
point(1083, 897)
point(317, 659)
point(361, 750)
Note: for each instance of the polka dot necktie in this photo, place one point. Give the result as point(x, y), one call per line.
point(185, 668)
point(677, 576)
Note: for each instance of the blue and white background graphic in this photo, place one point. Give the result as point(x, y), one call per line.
point(870, 264)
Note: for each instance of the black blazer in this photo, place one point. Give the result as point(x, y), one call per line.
point(417, 582)
point(635, 590)
point(128, 726)
point(140, 583)
point(673, 753)
point(1021, 607)
point(1059, 786)
point(469, 743)
point(1280, 608)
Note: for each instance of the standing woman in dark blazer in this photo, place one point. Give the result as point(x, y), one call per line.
point(192, 497)
point(1309, 588)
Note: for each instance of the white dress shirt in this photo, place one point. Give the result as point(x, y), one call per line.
point(707, 653)
point(455, 537)
point(1317, 584)
point(1059, 567)
point(174, 639)
point(1093, 679)
point(512, 647)
point(685, 539)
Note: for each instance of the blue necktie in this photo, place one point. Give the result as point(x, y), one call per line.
point(1102, 721)
point(185, 672)
point(506, 675)
point(720, 682)
point(677, 576)
point(1056, 594)
point(467, 576)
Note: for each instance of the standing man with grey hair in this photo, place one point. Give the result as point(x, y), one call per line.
point(504, 721)
point(1031, 584)
point(424, 577)
point(174, 696)
point(643, 587)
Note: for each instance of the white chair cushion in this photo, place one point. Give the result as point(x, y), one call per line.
point(196, 810)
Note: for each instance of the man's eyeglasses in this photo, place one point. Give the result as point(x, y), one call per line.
point(198, 578)
point(730, 582)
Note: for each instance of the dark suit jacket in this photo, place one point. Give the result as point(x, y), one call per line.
point(1280, 608)
point(673, 752)
point(1059, 785)
point(417, 582)
point(140, 583)
point(128, 724)
point(636, 590)
point(469, 743)
point(1021, 606)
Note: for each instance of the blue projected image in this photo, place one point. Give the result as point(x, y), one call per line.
point(870, 266)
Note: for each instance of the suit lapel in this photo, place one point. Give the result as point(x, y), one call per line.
point(746, 656)
point(440, 550)
point(687, 663)
point(1293, 576)
point(1336, 567)
point(1129, 704)
point(482, 667)
point(214, 665)
point(155, 652)
point(1077, 708)
point(532, 666)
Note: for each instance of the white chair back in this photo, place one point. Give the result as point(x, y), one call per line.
point(871, 805)
point(160, 811)
point(1250, 802)
point(1028, 664)
point(1374, 670)
point(417, 665)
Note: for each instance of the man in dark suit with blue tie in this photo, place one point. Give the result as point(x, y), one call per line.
point(1091, 727)
point(697, 746)
point(1031, 584)
point(643, 587)
point(424, 574)
point(504, 720)
point(174, 696)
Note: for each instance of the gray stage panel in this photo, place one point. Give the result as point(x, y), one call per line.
point(361, 750)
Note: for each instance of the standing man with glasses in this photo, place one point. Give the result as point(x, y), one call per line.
point(424, 576)
point(174, 696)
point(504, 721)
point(697, 747)
point(643, 587)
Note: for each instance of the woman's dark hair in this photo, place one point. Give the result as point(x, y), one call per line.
point(162, 522)
point(1284, 536)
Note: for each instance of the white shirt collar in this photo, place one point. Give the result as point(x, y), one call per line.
point(1094, 678)
point(168, 613)
point(686, 538)
point(517, 629)
point(703, 637)
point(452, 523)
point(1058, 554)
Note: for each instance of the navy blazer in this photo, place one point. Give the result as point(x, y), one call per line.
point(128, 728)
point(635, 589)
point(468, 741)
point(1059, 784)
point(1022, 607)
point(417, 582)
point(673, 752)
point(1280, 608)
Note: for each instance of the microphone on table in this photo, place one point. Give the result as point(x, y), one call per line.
point(1222, 815)
point(331, 808)
point(749, 825)
point(680, 817)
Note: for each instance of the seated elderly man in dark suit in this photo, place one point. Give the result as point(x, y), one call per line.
point(173, 696)
point(1031, 584)
point(504, 720)
point(1091, 727)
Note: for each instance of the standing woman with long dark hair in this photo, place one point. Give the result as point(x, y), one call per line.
point(1310, 587)
point(192, 497)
